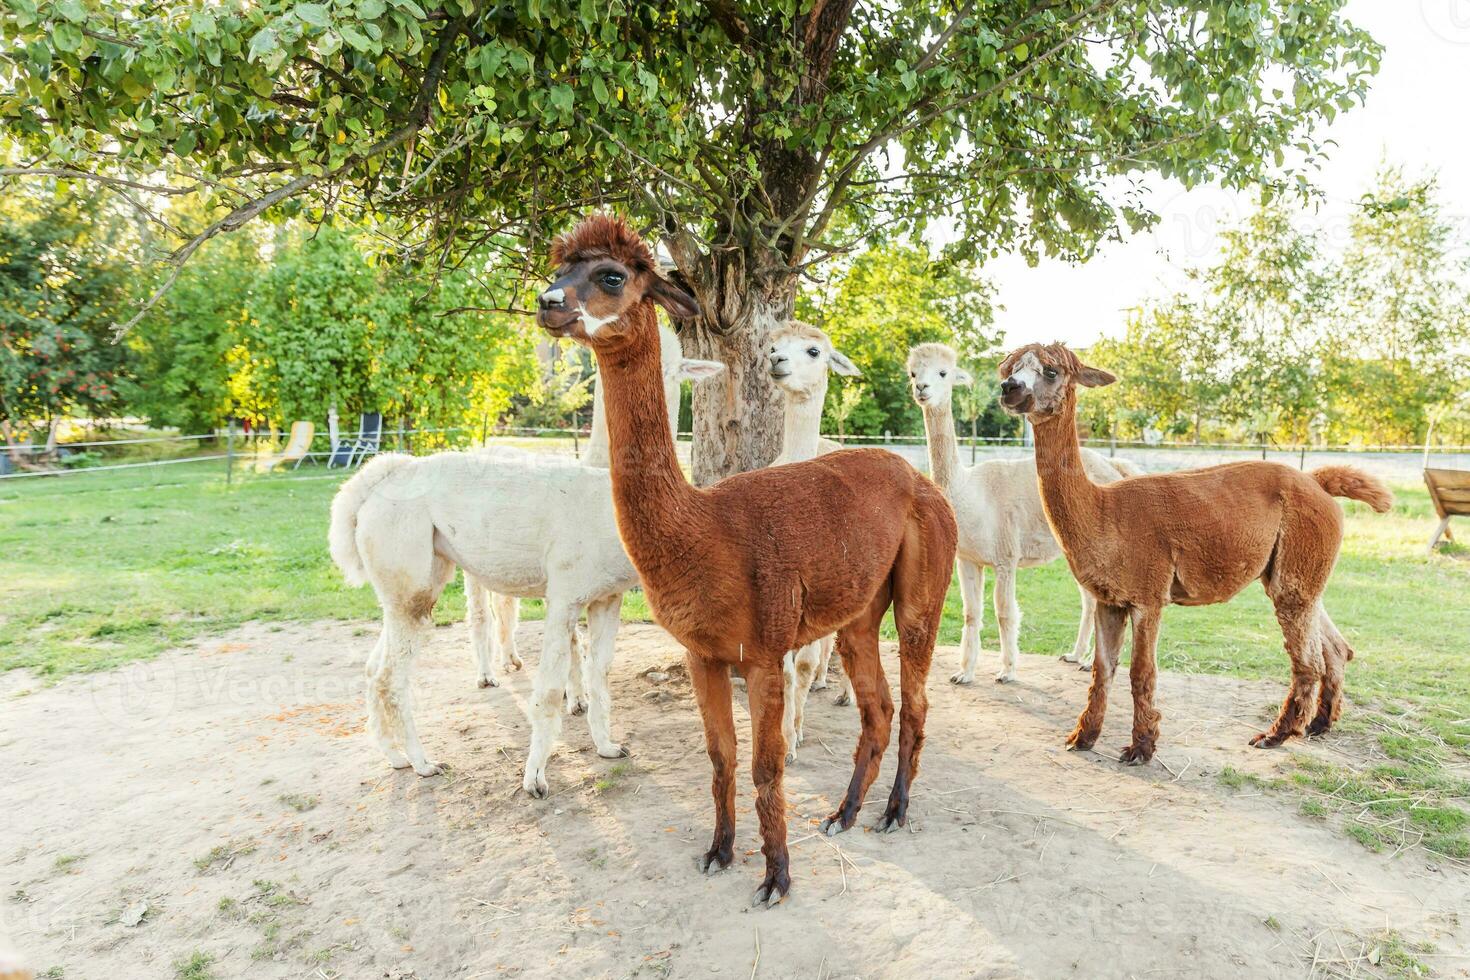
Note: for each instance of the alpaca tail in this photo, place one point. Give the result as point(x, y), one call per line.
point(1351, 482)
point(1126, 467)
point(342, 536)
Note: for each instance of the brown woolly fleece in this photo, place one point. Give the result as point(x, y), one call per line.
point(1195, 538)
point(762, 562)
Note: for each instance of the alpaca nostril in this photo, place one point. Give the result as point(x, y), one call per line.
point(552, 299)
point(1009, 385)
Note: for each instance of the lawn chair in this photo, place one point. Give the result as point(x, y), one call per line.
point(1449, 490)
point(352, 452)
point(297, 448)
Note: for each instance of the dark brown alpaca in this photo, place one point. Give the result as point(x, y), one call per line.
point(762, 562)
point(1195, 538)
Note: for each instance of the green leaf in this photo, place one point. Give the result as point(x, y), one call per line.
point(185, 144)
point(262, 44)
point(355, 38)
point(66, 37)
point(599, 89)
point(72, 10)
point(370, 9)
point(312, 13)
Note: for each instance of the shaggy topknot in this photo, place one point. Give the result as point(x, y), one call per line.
point(1056, 356)
point(603, 236)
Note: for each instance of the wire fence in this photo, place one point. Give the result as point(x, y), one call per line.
point(234, 457)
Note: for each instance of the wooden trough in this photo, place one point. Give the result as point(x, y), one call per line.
point(1450, 492)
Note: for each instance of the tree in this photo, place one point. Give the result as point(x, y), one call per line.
point(62, 278)
point(738, 131)
point(1403, 326)
point(192, 368)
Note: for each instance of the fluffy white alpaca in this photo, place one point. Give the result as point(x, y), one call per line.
point(493, 617)
point(799, 359)
point(997, 505)
point(519, 528)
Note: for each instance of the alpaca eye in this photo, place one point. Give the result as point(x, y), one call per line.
point(944, 374)
point(612, 280)
point(813, 352)
point(1049, 373)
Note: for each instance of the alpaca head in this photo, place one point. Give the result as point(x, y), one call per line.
point(604, 270)
point(799, 358)
point(934, 370)
point(1038, 380)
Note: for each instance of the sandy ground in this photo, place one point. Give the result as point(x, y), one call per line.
point(225, 800)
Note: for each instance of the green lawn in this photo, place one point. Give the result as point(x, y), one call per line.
point(100, 569)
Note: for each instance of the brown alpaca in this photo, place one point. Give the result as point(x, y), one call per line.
point(1195, 538)
point(762, 562)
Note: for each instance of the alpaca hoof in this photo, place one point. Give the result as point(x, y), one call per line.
point(790, 757)
point(1319, 726)
point(890, 823)
point(429, 768)
point(614, 752)
point(399, 762)
point(1136, 755)
point(1070, 658)
point(535, 786)
point(1079, 742)
point(834, 825)
point(962, 678)
point(1006, 677)
point(819, 685)
point(772, 891)
point(1084, 665)
point(842, 700)
point(1267, 740)
point(515, 663)
point(576, 706)
point(484, 682)
point(715, 860)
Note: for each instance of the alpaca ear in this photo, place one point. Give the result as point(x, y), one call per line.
point(841, 365)
point(1092, 377)
point(679, 303)
point(1007, 365)
point(963, 377)
point(691, 369)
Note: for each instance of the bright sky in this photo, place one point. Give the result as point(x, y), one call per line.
point(1414, 117)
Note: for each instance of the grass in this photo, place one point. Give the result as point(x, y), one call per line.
point(101, 569)
point(196, 966)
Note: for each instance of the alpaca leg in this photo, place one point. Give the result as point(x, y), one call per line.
point(857, 643)
point(404, 637)
point(916, 636)
point(1141, 676)
point(972, 595)
point(602, 625)
point(1081, 654)
point(380, 725)
point(1301, 630)
point(1110, 623)
point(798, 667)
point(824, 662)
point(844, 694)
point(1335, 655)
point(1008, 618)
point(482, 640)
point(765, 688)
point(552, 676)
point(506, 611)
point(711, 680)
point(577, 673)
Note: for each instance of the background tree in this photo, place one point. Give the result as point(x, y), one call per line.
point(737, 130)
point(65, 271)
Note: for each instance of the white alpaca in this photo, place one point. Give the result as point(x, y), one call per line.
point(799, 359)
point(518, 528)
point(997, 505)
point(493, 617)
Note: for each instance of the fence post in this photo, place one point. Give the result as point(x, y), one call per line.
point(1304, 456)
point(229, 451)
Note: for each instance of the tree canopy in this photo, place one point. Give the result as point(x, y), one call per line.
point(739, 131)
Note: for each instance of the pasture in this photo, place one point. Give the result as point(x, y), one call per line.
point(191, 784)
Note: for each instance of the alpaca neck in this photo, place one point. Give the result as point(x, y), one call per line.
point(597, 446)
point(649, 490)
point(802, 431)
point(1073, 503)
point(944, 451)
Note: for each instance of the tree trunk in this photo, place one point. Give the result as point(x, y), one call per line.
point(737, 414)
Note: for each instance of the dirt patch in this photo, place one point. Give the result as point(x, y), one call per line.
point(211, 805)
